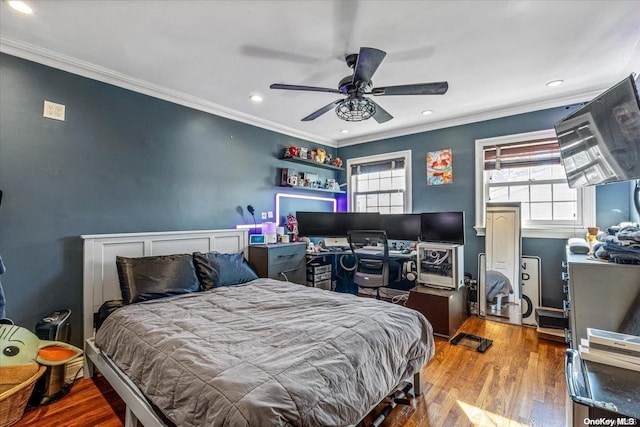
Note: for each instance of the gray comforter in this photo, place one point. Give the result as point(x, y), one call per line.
point(266, 353)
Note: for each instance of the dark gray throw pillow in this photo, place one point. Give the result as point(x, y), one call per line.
point(216, 269)
point(147, 278)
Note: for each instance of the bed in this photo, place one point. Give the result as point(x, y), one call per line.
point(264, 352)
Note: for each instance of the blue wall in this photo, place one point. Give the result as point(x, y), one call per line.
point(612, 200)
point(121, 162)
point(126, 162)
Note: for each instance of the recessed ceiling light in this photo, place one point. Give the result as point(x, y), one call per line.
point(554, 83)
point(256, 98)
point(20, 6)
point(344, 131)
point(427, 112)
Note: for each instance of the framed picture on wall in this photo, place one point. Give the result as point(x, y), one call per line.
point(439, 167)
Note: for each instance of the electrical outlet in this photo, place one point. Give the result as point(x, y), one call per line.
point(270, 214)
point(264, 215)
point(53, 111)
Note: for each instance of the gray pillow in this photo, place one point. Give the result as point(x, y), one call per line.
point(215, 269)
point(147, 278)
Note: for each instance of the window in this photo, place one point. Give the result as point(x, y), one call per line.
point(526, 168)
point(380, 183)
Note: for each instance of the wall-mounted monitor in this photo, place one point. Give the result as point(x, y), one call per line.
point(442, 227)
point(401, 226)
point(600, 142)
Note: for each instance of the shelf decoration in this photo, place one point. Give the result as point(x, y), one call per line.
point(440, 167)
point(317, 157)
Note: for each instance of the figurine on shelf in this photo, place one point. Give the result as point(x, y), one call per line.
point(303, 152)
point(337, 162)
point(292, 226)
point(321, 155)
point(311, 155)
point(329, 159)
point(291, 151)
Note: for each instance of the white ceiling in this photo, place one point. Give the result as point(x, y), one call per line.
point(212, 55)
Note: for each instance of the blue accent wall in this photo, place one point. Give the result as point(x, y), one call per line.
point(120, 162)
point(612, 201)
point(127, 162)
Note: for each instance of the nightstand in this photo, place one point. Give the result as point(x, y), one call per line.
point(282, 261)
point(445, 309)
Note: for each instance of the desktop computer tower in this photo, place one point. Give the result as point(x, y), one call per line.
point(441, 265)
point(51, 386)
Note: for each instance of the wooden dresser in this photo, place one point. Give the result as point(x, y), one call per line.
point(282, 261)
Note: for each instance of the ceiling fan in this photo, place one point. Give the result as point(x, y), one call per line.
point(356, 107)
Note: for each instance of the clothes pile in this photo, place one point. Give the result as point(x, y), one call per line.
point(620, 244)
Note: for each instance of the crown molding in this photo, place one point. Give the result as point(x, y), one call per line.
point(85, 69)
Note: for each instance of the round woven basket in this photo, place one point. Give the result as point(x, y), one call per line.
point(14, 401)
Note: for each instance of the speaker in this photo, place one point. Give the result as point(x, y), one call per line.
point(530, 287)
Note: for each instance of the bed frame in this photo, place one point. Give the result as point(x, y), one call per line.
point(100, 284)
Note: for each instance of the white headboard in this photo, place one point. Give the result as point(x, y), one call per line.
point(100, 282)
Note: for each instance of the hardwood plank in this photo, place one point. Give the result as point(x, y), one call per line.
point(519, 381)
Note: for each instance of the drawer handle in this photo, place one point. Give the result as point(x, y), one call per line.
point(565, 276)
point(286, 256)
point(566, 308)
point(564, 264)
point(567, 336)
point(284, 273)
point(565, 289)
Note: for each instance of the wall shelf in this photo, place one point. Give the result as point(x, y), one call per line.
point(311, 163)
point(324, 190)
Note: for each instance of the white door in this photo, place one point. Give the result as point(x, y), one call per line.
point(502, 243)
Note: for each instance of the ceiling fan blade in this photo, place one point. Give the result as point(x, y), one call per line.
point(438, 88)
point(368, 61)
point(305, 88)
point(322, 110)
point(381, 115)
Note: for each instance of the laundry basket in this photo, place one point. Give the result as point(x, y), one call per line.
point(14, 400)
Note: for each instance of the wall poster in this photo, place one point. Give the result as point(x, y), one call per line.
point(439, 167)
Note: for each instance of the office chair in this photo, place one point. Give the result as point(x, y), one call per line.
point(370, 249)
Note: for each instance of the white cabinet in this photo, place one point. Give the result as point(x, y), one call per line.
point(599, 294)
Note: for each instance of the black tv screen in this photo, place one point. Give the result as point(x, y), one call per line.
point(401, 226)
point(600, 142)
point(318, 224)
point(335, 224)
point(442, 227)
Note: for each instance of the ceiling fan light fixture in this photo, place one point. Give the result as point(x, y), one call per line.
point(255, 98)
point(355, 109)
point(427, 112)
point(555, 83)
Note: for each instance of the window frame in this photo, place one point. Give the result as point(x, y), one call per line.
point(375, 158)
point(585, 195)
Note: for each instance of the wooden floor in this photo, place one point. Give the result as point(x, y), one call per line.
point(519, 381)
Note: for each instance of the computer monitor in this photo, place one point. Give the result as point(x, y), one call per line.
point(320, 224)
point(442, 227)
point(401, 226)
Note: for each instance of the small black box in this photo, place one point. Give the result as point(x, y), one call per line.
point(549, 317)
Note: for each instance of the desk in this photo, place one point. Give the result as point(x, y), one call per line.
point(343, 277)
